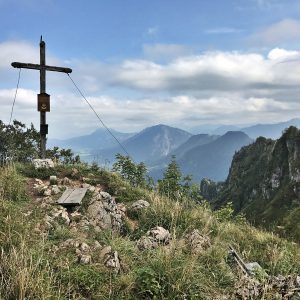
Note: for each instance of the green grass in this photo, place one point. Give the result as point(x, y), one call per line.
point(31, 269)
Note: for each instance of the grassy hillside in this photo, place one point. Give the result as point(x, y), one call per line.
point(50, 253)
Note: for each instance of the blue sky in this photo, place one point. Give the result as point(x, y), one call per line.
point(182, 63)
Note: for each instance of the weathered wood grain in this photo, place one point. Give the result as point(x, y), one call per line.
point(72, 196)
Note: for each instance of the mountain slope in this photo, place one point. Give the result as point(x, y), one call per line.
point(264, 181)
point(194, 141)
point(213, 160)
point(273, 131)
point(151, 143)
point(110, 248)
point(205, 156)
point(99, 139)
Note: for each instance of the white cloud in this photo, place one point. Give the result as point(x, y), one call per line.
point(212, 87)
point(21, 51)
point(279, 53)
point(165, 51)
point(208, 71)
point(287, 30)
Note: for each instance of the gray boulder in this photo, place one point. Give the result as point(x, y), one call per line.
point(155, 237)
point(104, 212)
point(43, 163)
point(140, 204)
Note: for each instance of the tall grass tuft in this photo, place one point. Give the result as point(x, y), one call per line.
point(12, 185)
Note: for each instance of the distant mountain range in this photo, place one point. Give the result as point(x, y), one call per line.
point(210, 157)
point(202, 155)
point(97, 140)
point(151, 143)
point(273, 131)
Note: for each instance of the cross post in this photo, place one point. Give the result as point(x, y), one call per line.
point(43, 98)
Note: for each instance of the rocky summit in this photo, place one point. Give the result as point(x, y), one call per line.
point(126, 242)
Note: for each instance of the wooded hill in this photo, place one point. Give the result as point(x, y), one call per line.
point(264, 183)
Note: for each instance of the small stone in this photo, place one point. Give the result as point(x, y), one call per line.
point(154, 237)
point(146, 242)
point(97, 245)
point(53, 180)
point(47, 192)
point(85, 259)
point(84, 247)
point(65, 217)
point(55, 190)
point(85, 180)
point(85, 185)
point(122, 208)
point(160, 234)
point(66, 181)
point(92, 189)
point(38, 181)
point(106, 196)
point(297, 281)
point(75, 216)
point(113, 262)
point(40, 189)
point(140, 204)
point(105, 251)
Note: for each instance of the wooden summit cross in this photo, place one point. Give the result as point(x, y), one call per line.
point(43, 97)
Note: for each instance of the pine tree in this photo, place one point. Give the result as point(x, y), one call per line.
point(170, 185)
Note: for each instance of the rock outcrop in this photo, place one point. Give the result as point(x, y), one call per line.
point(154, 238)
point(104, 212)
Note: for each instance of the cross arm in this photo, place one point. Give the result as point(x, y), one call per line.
point(38, 67)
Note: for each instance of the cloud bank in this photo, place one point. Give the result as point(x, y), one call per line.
point(188, 90)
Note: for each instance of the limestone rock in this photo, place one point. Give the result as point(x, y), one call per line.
point(69, 243)
point(160, 234)
point(92, 189)
point(197, 241)
point(84, 247)
point(154, 238)
point(110, 258)
point(39, 189)
point(113, 262)
point(146, 242)
point(86, 185)
point(43, 163)
point(38, 181)
point(47, 192)
point(122, 208)
point(61, 212)
point(85, 180)
point(66, 181)
point(104, 212)
point(104, 252)
point(55, 190)
point(97, 245)
point(85, 259)
point(75, 216)
point(140, 204)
